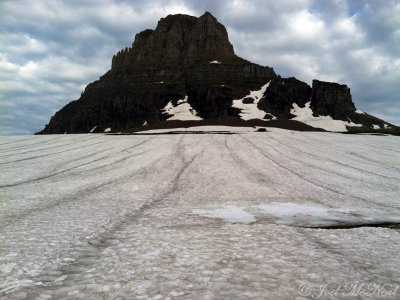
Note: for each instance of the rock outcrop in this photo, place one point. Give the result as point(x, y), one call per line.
point(332, 99)
point(179, 40)
point(281, 94)
point(189, 56)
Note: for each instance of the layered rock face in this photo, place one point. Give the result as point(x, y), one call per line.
point(178, 40)
point(189, 56)
point(331, 99)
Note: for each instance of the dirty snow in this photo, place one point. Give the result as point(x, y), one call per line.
point(250, 110)
point(205, 128)
point(111, 217)
point(182, 111)
point(305, 115)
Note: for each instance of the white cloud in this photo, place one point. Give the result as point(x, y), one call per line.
point(306, 26)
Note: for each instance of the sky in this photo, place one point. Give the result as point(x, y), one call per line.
point(51, 49)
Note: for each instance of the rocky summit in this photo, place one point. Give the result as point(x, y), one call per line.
point(185, 73)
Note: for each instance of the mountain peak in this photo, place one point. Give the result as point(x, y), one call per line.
point(208, 15)
point(179, 39)
point(186, 70)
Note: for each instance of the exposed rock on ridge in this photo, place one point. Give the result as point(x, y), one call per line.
point(331, 99)
point(179, 39)
point(282, 93)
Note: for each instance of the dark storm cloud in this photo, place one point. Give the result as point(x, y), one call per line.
point(52, 50)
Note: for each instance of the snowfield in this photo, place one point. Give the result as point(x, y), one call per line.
point(198, 216)
point(250, 111)
point(182, 111)
point(305, 115)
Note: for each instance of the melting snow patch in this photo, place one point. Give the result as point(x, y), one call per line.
point(144, 123)
point(376, 126)
point(298, 214)
point(292, 213)
point(317, 216)
point(61, 278)
point(68, 259)
point(250, 110)
point(359, 112)
point(176, 294)
point(91, 130)
point(305, 115)
point(107, 129)
point(215, 62)
point(232, 214)
point(182, 111)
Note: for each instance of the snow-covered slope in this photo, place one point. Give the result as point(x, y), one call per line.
point(305, 115)
point(205, 216)
point(249, 109)
point(182, 111)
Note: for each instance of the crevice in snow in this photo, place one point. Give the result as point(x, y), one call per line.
point(182, 111)
point(248, 105)
point(390, 225)
point(305, 115)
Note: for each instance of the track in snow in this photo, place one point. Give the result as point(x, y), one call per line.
point(97, 216)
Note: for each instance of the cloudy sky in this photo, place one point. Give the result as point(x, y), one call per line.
point(51, 49)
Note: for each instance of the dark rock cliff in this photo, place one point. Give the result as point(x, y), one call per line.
point(282, 93)
point(179, 40)
point(190, 56)
point(331, 99)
